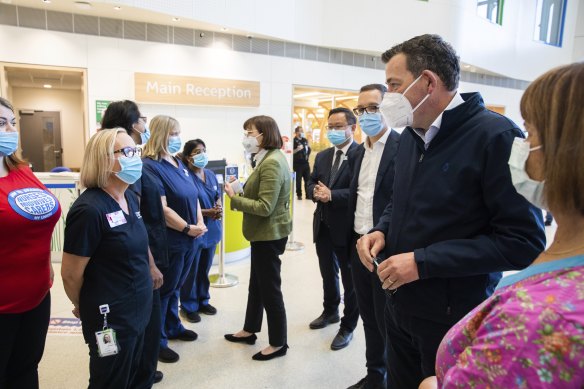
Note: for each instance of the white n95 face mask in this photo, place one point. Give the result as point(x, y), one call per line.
point(396, 108)
point(531, 189)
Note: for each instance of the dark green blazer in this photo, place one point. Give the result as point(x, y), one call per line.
point(265, 202)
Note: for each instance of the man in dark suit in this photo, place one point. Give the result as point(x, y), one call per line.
point(329, 185)
point(300, 162)
point(372, 166)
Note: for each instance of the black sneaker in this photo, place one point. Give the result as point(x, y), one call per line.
point(192, 317)
point(208, 309)
point(166, 355)
point(186, 335)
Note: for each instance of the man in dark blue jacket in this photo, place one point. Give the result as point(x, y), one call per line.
point(455, 221)
point(372, 170)
point(329, 186)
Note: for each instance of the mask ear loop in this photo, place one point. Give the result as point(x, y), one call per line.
point(408, 88)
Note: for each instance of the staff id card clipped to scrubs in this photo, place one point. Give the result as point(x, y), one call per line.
point(107, 343)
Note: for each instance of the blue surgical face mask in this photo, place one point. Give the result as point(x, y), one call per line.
point(336, 137)
point(131, 169)
point(144, 136)
point(200, 160)
point(8, 143)
point(174, 144)
point(371, 123)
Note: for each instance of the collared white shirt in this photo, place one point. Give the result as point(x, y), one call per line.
point(366, 185)
point(435, 126)
point(259, 157)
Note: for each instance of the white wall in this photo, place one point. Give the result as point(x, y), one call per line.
point(579, 38)
point(375, 26)
point(70, 104)
point(111, 64)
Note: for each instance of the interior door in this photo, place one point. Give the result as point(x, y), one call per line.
point(40, 139)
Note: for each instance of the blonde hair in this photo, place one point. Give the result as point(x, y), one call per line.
point(98, 160)
point(13, 160)
point(160, 128)
point(552, 104)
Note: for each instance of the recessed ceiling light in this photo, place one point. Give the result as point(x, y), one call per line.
point(224, 29)
point(117, 8)
point(175, 19)
point(47, 1)
point(83, 4)
point(48, 86)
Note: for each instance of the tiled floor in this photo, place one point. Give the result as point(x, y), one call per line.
point(212, 362)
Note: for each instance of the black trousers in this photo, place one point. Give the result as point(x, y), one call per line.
point(116, 371)
point(149, 357)
point(22, 345)
point(412, 346)
point(265, 291)
point(331, 259)
point(302, 173)
point(371, 302)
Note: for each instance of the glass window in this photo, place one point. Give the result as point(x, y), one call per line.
point(491, 10)
point(549, 22)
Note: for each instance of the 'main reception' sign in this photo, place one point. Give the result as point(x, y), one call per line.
point(167, 89)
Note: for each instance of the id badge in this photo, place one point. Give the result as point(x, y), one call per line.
point(107, 343)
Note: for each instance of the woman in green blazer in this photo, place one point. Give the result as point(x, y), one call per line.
point(265, 203)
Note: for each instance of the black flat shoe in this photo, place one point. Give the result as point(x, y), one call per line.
point(266, 357)
point(241, 339)
point(158, 376)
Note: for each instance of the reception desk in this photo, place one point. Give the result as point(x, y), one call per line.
point(65, 187)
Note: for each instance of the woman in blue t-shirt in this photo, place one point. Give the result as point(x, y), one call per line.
point(194, 295)
point(184, 222)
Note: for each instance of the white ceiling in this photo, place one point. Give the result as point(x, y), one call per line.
point(18, 77)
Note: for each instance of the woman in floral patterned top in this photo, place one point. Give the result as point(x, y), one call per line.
point(530, 333)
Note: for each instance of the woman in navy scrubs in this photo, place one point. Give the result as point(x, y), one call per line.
point(194, 295)
point(127, 115)
point(106, 258)
point(184, 223)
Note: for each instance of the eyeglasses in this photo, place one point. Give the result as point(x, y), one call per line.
point(338, 128)
point(371, 109)
point(130, 151)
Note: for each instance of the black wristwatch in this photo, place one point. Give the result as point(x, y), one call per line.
point(186, 229)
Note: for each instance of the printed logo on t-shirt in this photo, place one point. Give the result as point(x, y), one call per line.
point(33, 203)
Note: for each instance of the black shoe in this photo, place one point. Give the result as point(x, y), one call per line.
point(186, 335)
point(299, 197)
point(362, 384)
point(241, 339)
point(266, 357)
point(547, 223)
point(158, 376)
point(342, 339)
point(324, 320)
point(166, 355)
point(192, 317)
point(208, 309)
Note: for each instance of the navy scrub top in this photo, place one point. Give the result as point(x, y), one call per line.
point(118, 272)
point(209, 193)
point(180, 191)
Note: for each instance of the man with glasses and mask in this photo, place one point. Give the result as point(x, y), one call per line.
point(455, 221)
point(329, 186)
point(372, 170)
